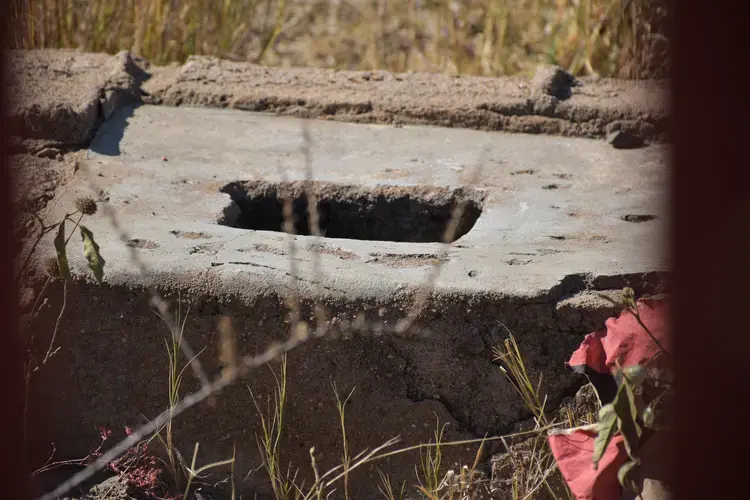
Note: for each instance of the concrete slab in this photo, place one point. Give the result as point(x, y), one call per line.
point(558, 221)
point(550, 207)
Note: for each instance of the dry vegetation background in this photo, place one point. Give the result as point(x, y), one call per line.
point(621, 38)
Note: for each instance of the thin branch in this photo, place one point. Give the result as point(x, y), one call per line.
point(77, 223)
point(423, 296)
point(313, 222)
point(637, 316)
point(27, 380)
point(293, 299)
point(57, 323)
point(34, 311)
point(656, 341)
point(44, 230)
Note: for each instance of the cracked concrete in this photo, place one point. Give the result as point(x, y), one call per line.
point(532, 261)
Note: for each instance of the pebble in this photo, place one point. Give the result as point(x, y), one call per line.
point(622, 139)
point(48, 153)
point(552, 81)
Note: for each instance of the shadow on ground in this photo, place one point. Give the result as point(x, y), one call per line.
point(107, 140)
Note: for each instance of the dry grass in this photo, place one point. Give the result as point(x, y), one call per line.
point(533, 473)
point(475, 37)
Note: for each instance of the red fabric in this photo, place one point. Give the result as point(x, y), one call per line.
point(573, 451)
point(625, 340)
point(591, 352)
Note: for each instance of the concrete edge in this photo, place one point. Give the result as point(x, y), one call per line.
point(494, 104)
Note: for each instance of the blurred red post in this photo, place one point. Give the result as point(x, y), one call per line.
point(710, 251)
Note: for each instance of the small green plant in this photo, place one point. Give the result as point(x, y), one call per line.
point(84, 206)
point(624, 414)
point(57, 267)
point(515, 372)
point(175, 374)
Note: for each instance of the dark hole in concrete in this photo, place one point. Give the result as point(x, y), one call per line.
point(638, 217)
point(416, 214)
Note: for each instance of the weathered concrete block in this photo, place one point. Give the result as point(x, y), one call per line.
point(546, 221)
point(197, 197)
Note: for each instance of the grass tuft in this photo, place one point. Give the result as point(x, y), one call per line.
point(272, 425)
point(533, 469)
point(386, 488)
point(181, 472)
point(430, 461)
point(346, 458)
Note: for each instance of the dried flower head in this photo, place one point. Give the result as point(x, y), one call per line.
point(87, 206)
point(51, 267)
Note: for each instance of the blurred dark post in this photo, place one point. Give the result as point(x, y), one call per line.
point(13, 452)
point(711, 254)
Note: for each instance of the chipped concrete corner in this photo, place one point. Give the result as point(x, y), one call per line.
point(61, 96)
point(557, 217)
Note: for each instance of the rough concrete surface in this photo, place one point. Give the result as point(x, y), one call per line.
point(545, 105)
point(196, 194)
point(59, 96)
point(550, 207)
